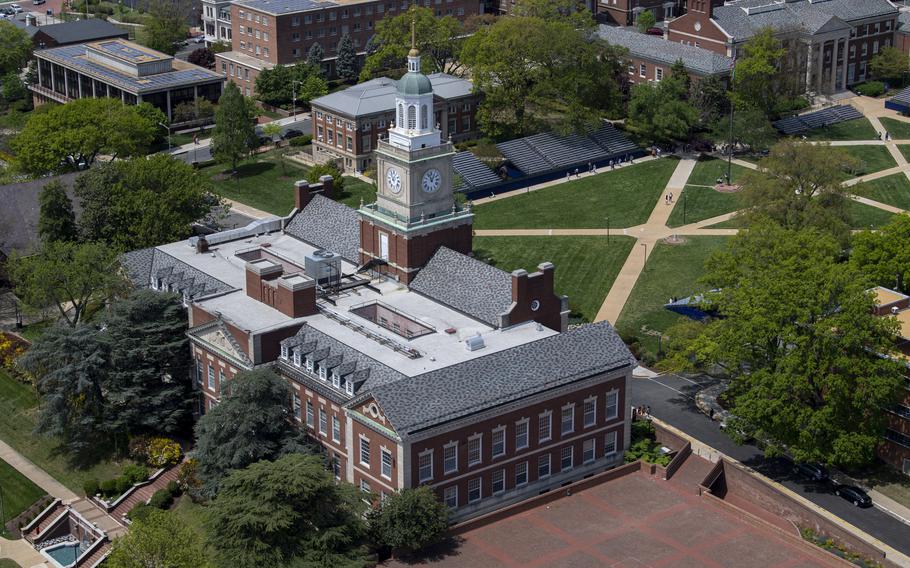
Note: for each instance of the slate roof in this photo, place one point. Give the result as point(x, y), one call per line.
point(141, 265)
point(329, 225)
point(286, 6)
point(81, 31)
point(378, 95)
point(499, 378)
point(902, 22)
point(696, 59)
point(19, 213)
point(465, 284)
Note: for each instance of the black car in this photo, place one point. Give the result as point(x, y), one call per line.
point(811, 471)
point(854, 494)
point(292, 133)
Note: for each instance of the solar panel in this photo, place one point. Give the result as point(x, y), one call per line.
point(817, 119)
point(472, 172)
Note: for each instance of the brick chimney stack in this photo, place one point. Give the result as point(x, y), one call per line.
point(534, 299)
point(304, 191)
point(294, 295)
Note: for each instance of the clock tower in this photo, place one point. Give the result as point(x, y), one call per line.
point(415, 210)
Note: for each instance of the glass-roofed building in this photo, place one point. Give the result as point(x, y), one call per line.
point(120, 69)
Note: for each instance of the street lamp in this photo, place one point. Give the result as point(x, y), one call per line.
point(294, 96)
point(168, 135)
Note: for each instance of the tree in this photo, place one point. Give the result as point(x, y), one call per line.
point(797, 333)
point(166, 24)
point(77, 132)
point(884, 255)
point(67, 275)
point(234, 136)
point(272, 131)
point(659, 111)
point(751, 128)
point(315, 55)
point(286, 513)
point(15, 48)
point(799, 186)
point(149, 382)
point(890, 64)
point(645, 20)
point(758, 75)
point(220, 47)
point(202, 57)
point(410, 520)
point(158, 539)
point(329, 168)
point(346, 64)
point(711, 100)
point(278, 85)
point(13, 88)
point(133, 204)
point(56, 220)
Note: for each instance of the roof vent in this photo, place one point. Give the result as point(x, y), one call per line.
point(752, 10)
point(894, 310)
point(474, 343)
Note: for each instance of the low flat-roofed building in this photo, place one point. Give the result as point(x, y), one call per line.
point(122, 70)
point(896, 448)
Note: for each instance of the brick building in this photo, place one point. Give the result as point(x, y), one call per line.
point(896, 447)
point(625, 12)
point(409, 361)
point(828, 43)
point(348, 124)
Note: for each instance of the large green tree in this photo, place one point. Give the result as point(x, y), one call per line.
point(884, 255)
point(660, 111)
point(409, 520)
point(158, 540)
point(760, 80)
point(710, 99)
point(645, 20)
point(166, 24)
point(315, 54)
point(56, 220)
point(751, 128)
point(15, 48)
point(797, 334)
point(234, 136)
point(890, 64)
point(79, 131)
point(289, 512)
point(133, 204)
point(346, 64)
point(278, 85)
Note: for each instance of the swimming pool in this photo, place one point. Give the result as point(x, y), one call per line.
point(64, 554)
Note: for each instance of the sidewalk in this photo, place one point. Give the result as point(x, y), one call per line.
point(37, 475)
point(21, 553)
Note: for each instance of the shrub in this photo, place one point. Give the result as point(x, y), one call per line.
point(162, 499)
point(139, 448)
point(108, 487)
point(173, 488)
point(186, 477)
point(301, 140)
point(163, 452)
point(139, 512)
point(409, 521)
point(123, 484)
point(871, 89)
point(136, 473)
point(91, 487)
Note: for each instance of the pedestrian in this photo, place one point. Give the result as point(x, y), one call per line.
point(671, 197)
point(568, 176)
point(576, 173)
point(648, 410)
point(879, 135)
point(887, 135)
point(594, 168)
point(590, 167)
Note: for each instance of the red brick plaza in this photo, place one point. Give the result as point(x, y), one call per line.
point(633, 521)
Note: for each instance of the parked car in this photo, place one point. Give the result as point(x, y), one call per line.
point(199, 39)
point(853, 494)
point(655, 32)
point(292, 133)
point(15, 8)
point(38, 2)
point(811, 471)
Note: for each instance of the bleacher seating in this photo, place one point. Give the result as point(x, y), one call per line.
point(824, 117)
point(472, 173)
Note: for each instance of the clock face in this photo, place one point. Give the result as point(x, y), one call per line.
point(432, 179)
point(393, 180)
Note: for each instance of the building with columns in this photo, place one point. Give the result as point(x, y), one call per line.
point(123, 70)
point(828, 43)
point(409, 361)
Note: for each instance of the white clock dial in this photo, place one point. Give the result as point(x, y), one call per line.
point(432, 179)
point(393, 180)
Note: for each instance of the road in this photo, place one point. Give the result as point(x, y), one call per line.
point(671, 399)
point(201, 153)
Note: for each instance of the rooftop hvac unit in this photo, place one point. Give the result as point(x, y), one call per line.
point(474, 343)
point(323, 266)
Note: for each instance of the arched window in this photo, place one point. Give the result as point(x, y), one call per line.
point(412, 117)
point(400, 121)
point(423, 117)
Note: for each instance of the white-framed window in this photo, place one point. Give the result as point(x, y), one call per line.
point(498, 482)
point(544, 426)
point(386, 470)
point(587, 451)
point(521, 474)
point(874, 47)
point(475, 448)
point(336, 429)
point(296, 358)
point(296, 403)
point(222, 380)
point(543, 466)
point(425, 466)
point(336, 380)
point(309, 413)
point(211, 377)
point(643, 70)
point(364, 451)
point(323, 422)
point(309, 364)
point(566, 458)
point(365, 486)
point(658, 73)
point(474, 490)
point(498, 442)
point(612, 409)
point(323, 373)
point(450, 496)
point(349, 387)
point(567, 420)
point(610, 443)
point(590, 411)
point(450, 457)
point(284, 352)
point(336, 466)
point(631, 70)
point(198, 372)
point(521, 434)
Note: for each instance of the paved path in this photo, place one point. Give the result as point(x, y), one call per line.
point(21, 553)
point(37, 475)
point(244, 209)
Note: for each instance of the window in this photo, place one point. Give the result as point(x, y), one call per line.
point(323, 422)
point(198, 372)
point(450, 496)
point(296, 358)
point(565, 461)
point(643, 70)
point(386, 463)
point(412, 117)
point(336, 429)
point(658, 73)
point(499, 442)
point(284, 352)
point(521, 434)
point(309, 364)
point(875, 47)
point(364, 452)
point(211, 377)
point(474, 491)
point(336, 380)
point(322, 373)
point(295, 36)
point(587, 451)
point(631, 70)
point(425, 466)
point(336, 466)
point(612, 405)
point(295, 21)
point(221, 378)
point(474, 447)
point(590, 411)
point(545, 427)
point(543, 466)
point(296, 404)
point(498, 484)
point(365, 487)
point(521, 474)
point(309, 413)
point(450, 458)
point(610, 443)
point(567, 424)
point(349, 387)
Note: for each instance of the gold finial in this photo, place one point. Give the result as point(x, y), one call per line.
point(413, 52)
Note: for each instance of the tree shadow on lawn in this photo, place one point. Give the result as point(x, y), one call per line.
point(437, 552)
point(250, 169)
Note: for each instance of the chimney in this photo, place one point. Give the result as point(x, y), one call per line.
point(296, 295)
point(304, 192)
point(328, 185)
point(534, 299)
point(259, 272)
point(202, 245)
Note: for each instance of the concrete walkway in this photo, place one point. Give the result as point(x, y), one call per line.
point(37, 475)
point(21, 553)
point(245, 209)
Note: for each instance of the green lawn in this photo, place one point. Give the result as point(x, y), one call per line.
point(14, 120)
point(870, 159)
point(699, 203)
point(899, 129)
point(905, 150)
point(707, 172)
point(18, 493)
point(18, 410)
point(864, 216)
point(7, 563)
point(893, 190)
point(34, 331)
point(193, 514)
point(858, 129)
point(626, 196)
point(585, 266)
point(672, 270)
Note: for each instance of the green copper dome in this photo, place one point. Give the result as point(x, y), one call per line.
point(414, 84)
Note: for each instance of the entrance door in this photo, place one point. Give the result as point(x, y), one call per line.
point(383, 246)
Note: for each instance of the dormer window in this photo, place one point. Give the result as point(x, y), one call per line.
point(309, 364)
point(296, 358)
point(322, 373)
point(336, 380)
point(284, 352)
point(349, 387)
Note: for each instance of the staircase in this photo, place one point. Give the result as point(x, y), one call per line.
point(52, 516)
point(692, 472)
point(144, 493)
point(95, 557)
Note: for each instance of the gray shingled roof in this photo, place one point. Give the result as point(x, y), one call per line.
point(496, 379)
point(803, 15)
point(465, 284)
point(19, 213)
point(286, 6)
point(378, 95)
point(328, 225)
point(696, 59)
point(81, 31)
point(141, 265)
